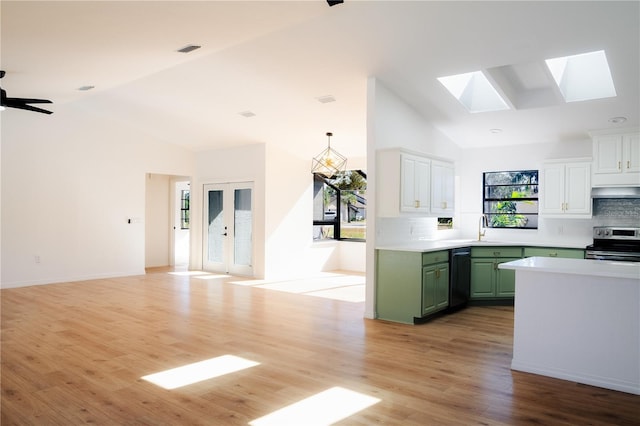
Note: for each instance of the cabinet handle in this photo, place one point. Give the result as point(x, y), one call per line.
point(495, 266)
point(444, 204)
point(553, 254)
point(416, 203)
point(628, 164)
point(619, 165)
point(496, 253)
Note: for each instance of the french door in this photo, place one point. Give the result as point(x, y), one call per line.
point(228, 228)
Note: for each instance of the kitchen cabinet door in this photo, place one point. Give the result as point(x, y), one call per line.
point(505, 279)
point(429, 282)
point(435, 288)
point(577, 189)
point(415, 184)
point(565, 189)
point(631, 152)
point(616, 159)
point(442, 287)
point(607, 154)
point(442, 187)
point(552, 189)
point(482, 278)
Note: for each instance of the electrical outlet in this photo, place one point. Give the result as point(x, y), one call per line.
point(36, 258)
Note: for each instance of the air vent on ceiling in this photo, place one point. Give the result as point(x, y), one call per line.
point(189, 48)
point(326, 99)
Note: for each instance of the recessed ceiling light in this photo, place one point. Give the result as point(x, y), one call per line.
point(85, 88)
point(617, 120)
point(583, 77)
point(474, 91)
point(495, 131)
point(189, 48)
point(326, 99)
point(247, 114)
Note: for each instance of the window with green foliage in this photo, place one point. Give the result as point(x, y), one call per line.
point(184, 209)
point(340, 206)
point(510, 199)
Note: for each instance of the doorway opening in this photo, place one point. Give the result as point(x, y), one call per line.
point(167, 214)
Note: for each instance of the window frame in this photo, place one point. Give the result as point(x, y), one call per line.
point(486, 201)
point(337, 222)
point(185, 200)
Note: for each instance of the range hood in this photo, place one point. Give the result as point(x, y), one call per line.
point(616, 192)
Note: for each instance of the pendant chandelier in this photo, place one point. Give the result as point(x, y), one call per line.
point(329, 162)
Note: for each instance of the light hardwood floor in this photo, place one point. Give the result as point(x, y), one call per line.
point(75, 353)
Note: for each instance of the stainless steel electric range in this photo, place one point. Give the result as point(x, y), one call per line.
point(615, 243)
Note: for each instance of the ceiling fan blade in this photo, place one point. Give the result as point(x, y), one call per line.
point(28, 101)
point(27, 107)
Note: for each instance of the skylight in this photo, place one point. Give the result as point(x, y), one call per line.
point(474, 91)
point(583, 77)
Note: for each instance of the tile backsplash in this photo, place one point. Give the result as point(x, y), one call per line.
point(618, 212)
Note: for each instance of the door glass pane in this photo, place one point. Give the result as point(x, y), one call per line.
point(216, 227)
point(242, 226)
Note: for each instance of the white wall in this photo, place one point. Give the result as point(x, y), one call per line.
point(242, 164)
point(68, 190)
point(284, 246)
point(157, 220)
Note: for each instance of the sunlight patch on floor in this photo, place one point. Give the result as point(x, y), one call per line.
point(199, 371)
point(324, 408)
point(346, 287)
point(189, 273)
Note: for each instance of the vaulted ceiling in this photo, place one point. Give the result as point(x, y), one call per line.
point(279, 60)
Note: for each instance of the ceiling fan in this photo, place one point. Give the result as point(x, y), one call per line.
point(21, 103)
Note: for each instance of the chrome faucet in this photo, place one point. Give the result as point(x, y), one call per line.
point(482, 223)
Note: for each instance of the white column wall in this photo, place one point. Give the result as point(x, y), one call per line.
point(392, 123)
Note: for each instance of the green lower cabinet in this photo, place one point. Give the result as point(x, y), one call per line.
point(411, 284)
point(489, 282)
point(435, 288)
point(567, 253)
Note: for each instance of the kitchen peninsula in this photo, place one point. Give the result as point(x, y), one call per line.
point(578, 320)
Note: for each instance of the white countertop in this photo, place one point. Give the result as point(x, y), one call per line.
point(590, 267)
point(429, 245)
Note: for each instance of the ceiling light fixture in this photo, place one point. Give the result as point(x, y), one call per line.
point(495, 131)
point(247, 114)
point(617, 120)
point(329, 162)
point(85, 88)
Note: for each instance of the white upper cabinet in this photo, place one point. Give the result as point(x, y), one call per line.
point(565, 189)
point(616, 159)
point(415, 185)
point(408, 183)
point(442, 187)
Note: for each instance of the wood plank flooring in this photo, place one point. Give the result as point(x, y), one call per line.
point(75, 353)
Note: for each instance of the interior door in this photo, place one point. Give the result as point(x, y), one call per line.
point(228, 237)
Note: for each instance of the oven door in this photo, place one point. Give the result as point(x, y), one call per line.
point(618, 256)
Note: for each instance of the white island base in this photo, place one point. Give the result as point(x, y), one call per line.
point(578, 320)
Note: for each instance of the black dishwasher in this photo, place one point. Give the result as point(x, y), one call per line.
point(460, 281)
